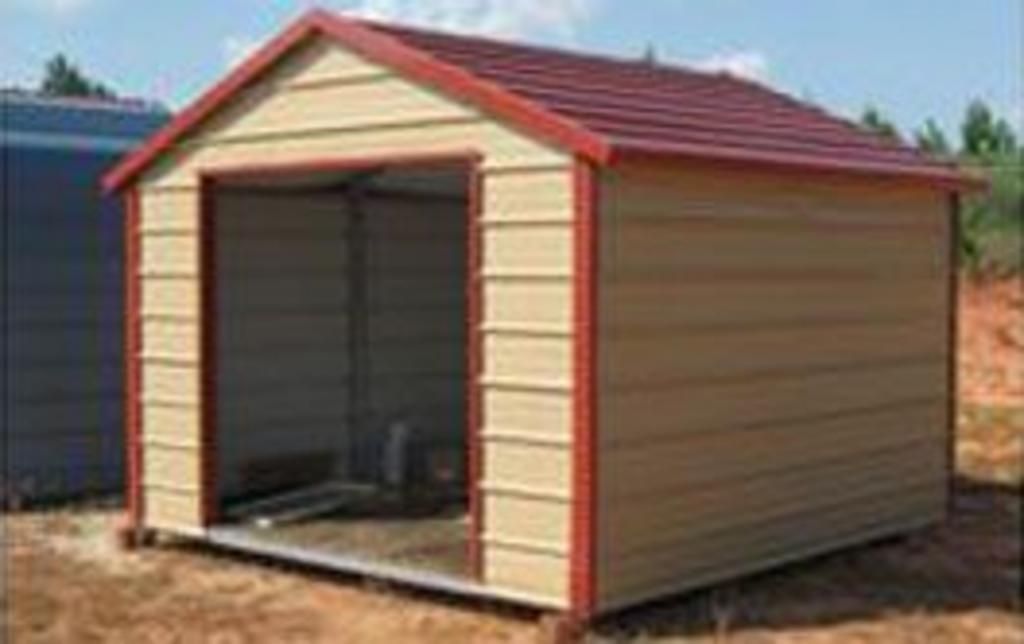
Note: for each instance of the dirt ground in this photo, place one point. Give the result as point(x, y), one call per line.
point(65, 581)
point(991, 321)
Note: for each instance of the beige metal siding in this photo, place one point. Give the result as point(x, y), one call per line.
point(170, 340)
point(773, 372)
point(323, 102)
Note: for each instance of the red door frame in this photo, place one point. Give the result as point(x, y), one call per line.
point(952, 348)
point(134, 498)
point(471, 161)
point(583, 534)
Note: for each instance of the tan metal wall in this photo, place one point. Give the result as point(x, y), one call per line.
point(323, 102)
point(773, 371)
point(170, 354)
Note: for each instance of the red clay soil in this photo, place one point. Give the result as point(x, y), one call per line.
point(992, 341)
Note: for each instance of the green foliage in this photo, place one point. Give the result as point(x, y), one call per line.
point(873, 121)
point(63, 78)
point(932, 139)
point(985, 136)
point(992, 223)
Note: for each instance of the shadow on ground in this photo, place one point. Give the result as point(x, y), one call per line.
point(956, 582)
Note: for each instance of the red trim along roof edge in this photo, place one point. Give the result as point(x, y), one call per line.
point(533, 117)
point(950, 177)
point(381, 48)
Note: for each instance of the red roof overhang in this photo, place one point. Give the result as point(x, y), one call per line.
point(491, 97)
point(385, 50)
point(949, 178)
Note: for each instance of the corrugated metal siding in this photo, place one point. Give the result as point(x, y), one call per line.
point(282, 306)
point(526, 187)
point(62, 306)
point(416, 324)
point(772, 372)
point(285, 362)
point(169, 318)
point(121, 123)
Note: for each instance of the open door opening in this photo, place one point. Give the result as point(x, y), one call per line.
point(341, 351)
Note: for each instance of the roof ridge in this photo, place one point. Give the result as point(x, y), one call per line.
point(584, 55)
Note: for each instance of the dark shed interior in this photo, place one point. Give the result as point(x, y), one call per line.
point(341, 360)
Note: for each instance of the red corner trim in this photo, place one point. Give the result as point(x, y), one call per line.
point(582, 568)
point(953, 304)
point(132, 373)
point(208, 350)
point(474, 371)
point(385, 50)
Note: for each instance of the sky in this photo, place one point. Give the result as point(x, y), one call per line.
point(914, 59)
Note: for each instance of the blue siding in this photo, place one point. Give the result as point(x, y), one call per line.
point(63, 297)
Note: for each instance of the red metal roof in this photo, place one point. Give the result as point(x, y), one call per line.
point(600, 107)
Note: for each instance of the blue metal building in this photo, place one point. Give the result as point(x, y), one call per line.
point(62, 293)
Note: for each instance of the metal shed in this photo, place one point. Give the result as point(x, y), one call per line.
point(682, 327)
point(61, 350)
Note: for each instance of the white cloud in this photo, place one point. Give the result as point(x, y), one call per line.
point(54, 7)
point(235, 49)
point(501, 18)
point(510, 19)
point(744, 64)
point(513, 19)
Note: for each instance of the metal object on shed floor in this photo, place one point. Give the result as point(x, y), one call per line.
point(299, 504)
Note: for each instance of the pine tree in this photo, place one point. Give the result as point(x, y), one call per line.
point(63, 78)
point(984, 135)
point(932, 139)
point(873, 121)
